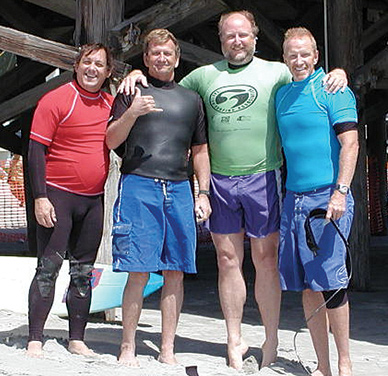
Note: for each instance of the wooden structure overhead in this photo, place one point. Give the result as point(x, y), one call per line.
point(193, 21)
point(43, 34)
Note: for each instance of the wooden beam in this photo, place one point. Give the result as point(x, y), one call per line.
point(374, 70)
point(18, 18)
point(268, 29)
point(64, 7)
point(207, 36)
point(345, 30)
point(45, 51)
point(275, 9)
point(198, 55)
point(375, 32)
point(60, 34)
point(27, 100)
point(172, 14)
point(374, 111)
point(26, 72)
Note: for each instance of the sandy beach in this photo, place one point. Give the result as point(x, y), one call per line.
point(200, 341)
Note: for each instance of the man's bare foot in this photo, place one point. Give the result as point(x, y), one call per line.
point(269, 351)
point(35, 349)
point(79, 348)
point(236, 353)
point(127, 356)
point(168, 358)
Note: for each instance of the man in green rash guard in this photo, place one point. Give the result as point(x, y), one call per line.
point(245, 156)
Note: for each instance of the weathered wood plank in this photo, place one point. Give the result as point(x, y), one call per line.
point(95, 18)
point(198, 55)
point(172, 14)
point(345, 29)
point(45, 51)
point(64, 7)
point(268, 29)
point(19, 18)
point(374, 70)
point(28, 99)
point(20, 77)
point(375, 32)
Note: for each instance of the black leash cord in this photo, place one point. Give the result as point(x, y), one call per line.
point(320, 213)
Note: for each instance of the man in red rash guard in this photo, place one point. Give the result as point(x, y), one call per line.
point(68, 162)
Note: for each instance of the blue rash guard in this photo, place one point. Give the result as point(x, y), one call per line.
point(306, 116)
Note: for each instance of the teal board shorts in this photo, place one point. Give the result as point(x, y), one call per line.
point(154, 226)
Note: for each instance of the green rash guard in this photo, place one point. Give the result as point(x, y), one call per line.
point(240, 108)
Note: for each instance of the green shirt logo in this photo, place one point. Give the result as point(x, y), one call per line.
point(233, 98)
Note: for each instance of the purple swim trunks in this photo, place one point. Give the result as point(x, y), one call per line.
point(249, 202)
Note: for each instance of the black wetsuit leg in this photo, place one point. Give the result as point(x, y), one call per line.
point(84, 243)
point(76, 216)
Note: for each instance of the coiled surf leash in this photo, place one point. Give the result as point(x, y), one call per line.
point(313, 246)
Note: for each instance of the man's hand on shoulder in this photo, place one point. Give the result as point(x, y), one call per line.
point(129, 82)
point(335, 80)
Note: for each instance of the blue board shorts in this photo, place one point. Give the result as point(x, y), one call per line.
point(299, 268)
point(153, 226)
point(248, 202)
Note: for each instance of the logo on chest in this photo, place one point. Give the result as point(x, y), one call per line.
point(233, 98)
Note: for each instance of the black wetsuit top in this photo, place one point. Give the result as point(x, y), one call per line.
point(158, 144)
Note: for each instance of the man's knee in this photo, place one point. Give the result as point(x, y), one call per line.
point(335, 299)
point(173, 276)
point(80, 275)
point(265, 252)
point(138, 278)
point(47, 273)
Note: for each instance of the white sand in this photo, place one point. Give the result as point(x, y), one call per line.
point(200, 338)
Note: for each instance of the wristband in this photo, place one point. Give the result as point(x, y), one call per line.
point(342, 188)
point(204, 192)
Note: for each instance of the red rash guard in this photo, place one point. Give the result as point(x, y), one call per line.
point(72, 123)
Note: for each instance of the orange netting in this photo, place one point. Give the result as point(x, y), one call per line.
point(12, 199)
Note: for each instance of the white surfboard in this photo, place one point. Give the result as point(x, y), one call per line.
point(16, 274)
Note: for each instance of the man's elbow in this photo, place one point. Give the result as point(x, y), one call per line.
point(110, 142)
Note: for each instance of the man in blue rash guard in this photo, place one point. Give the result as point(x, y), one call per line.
point(320, 141)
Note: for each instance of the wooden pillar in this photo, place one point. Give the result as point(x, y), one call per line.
point(345, 51)
point(95, 19)
point(376, 101)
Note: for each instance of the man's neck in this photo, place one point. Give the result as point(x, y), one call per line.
point(238, 66)
point(163, 77)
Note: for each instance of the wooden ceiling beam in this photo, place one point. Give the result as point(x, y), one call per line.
point(373, 71)
point(45, 51)
point(21, 77)
point(18, 18)
point(64, 7)
point(268, 29)
point(375, 32)
point(198, 55)
point(27, 100)
point(177, 15)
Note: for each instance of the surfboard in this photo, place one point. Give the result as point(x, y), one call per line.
point(16, 274)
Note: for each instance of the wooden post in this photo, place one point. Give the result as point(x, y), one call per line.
point(345, 51)
point(377, 160)
point(95, 19)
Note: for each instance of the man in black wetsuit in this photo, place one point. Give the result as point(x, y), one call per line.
point(154, 132)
